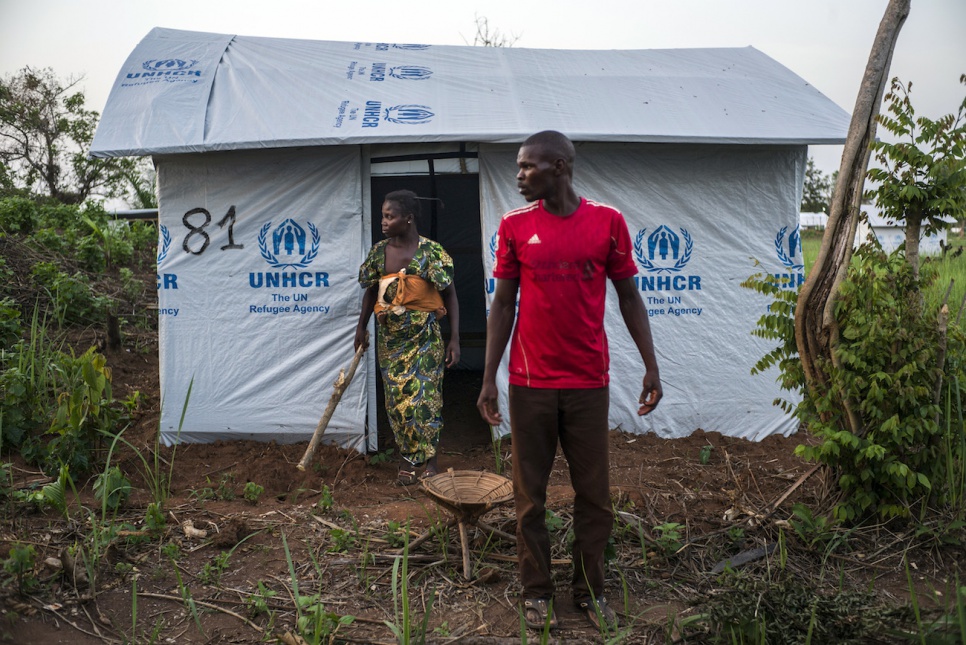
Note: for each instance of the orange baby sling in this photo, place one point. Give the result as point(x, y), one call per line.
point(412, 292)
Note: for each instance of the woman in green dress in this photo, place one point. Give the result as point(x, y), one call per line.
point(409, 285)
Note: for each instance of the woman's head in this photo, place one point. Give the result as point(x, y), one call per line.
point(406, 201)
point(400, 208)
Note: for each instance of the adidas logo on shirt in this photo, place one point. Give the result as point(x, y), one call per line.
point(534, 240)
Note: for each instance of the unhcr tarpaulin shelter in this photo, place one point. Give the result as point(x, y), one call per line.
point(273, 156)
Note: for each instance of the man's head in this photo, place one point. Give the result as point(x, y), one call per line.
point(546, 165)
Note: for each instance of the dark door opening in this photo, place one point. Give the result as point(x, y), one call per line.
point(454, 222)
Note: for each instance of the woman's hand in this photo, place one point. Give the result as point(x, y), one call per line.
point(452, 352)
point(361, 340)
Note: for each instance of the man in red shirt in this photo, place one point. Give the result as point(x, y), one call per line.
point(559, 252)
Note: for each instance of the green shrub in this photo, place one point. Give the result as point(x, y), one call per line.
point(57, 216)
point(52, 240)
point(18, 215)
point(889, 355)
point(86, 410)
point(10, 327)
point(90, 253)
point(72, 300)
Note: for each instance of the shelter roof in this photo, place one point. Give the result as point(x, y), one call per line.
point(183, 91)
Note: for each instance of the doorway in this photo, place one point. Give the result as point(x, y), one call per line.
point(452, 218)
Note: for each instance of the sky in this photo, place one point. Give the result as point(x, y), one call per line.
point(826, 42)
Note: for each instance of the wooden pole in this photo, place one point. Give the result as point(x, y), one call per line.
point(340, 385)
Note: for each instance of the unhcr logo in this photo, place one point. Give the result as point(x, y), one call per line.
point(168, 64)
point(665, 252)
point(164, 242)
point(789, 252)
point(373, 114)
point(165, 280)
point(490, 285)
point(288, 246)
point(166, 69)
point(409, 114)
point(410, 72)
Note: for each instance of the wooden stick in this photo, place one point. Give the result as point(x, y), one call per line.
point(341, 384)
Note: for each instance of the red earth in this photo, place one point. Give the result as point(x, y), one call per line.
point(336, 528)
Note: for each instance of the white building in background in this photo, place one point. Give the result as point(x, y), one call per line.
point(812, 220)
point(892, 235)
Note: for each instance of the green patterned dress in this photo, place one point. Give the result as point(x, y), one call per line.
point(410, 350)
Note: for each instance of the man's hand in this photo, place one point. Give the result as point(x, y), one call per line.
point(651, 393)
point(488, 406)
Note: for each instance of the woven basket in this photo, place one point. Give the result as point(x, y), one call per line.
point(469, 491)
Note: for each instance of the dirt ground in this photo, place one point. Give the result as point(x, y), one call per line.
point(727, 496)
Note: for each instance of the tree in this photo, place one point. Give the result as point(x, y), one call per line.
point(485, 38)
point(45, 132)
point(923, 175)
point(142, 183)
point(817, 190)
point(816, 329)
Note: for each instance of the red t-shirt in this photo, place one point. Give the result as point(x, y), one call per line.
point(562, 264)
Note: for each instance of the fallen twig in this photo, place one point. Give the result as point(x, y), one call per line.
point(209, 605)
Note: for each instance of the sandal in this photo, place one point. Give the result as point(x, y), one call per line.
point(538, 613)
point(406, 477)
point(597, 612)
point(428, 473)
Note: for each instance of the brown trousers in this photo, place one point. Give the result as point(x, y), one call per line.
point(578, 420)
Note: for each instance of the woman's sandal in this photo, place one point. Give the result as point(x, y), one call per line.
point(538, 613)
point(406, 477)
point(429, 472)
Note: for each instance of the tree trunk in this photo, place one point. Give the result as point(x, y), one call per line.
point(816, 330)
point(913, 230)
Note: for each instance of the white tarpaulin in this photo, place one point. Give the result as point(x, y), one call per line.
point(258, 294)
point(699, 217)
point(185, 91)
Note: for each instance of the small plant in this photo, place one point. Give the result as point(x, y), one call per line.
point(736, 534)
point(112, 488)
point(342, 540)
point(20, 565)
point(383, 457)
point(705, 455)
point(202, 494)
point(402, 627)
point(258, 602)
point(226, 488)
point(171, 551)
point(811, 529)
point(187, 598)
point(670, 538)
point(554, 521)
point(252, 492)
point(394, 535)
point(443, 630)
point(316, 624)
point(325, 500)
point(211, 572)
point(496, 442)
point(154, 518)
